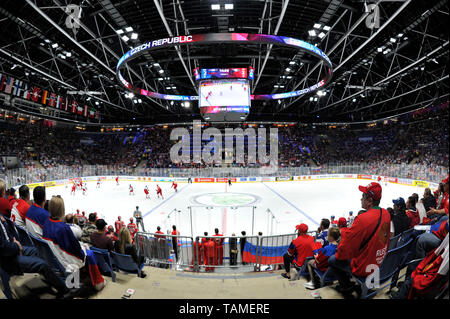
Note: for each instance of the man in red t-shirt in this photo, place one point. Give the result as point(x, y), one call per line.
point(158, 231)
point(218, 256)
point(132, 228)
point(299, 249)
point(365, 243)
point(5, 207)
point(119, 223)
point(20, 207)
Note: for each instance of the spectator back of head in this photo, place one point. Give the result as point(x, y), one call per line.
point(92, 217)
point(100, 224)
point(39, 195)
point(24, 192)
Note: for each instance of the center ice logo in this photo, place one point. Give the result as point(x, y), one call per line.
point(214, 151)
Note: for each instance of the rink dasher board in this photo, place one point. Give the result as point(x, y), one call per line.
point(303, 178)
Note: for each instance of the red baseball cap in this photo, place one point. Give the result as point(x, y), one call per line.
point(445, 181)
point(342, 222)
point(302, 228)
point(373, 190)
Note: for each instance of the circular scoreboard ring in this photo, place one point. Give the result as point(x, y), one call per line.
point(211, 38)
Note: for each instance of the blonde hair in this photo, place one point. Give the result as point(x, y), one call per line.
point(56, 208)
point(2, 186)
point(124, 238)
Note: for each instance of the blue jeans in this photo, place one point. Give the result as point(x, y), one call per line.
point(30, 262)
point(342, 270)
point(426, 243)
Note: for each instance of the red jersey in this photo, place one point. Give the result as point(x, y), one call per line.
point(158, 190)
point(301, 248)
point(159, 232)
point(146, 191)
point(218, 241)
point(118, 225)
point(374, 251)
point(5, 207)
point(175, 232)
point(414, 217)
point(444, 203)
point(18, 211)
point(132, 228)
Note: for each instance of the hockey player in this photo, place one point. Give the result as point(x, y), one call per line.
point(84, 188)
point(74, 187)
point(98, 183)
point(147, 193)
point(229, 181)
point(174, 185)
point(159, 191)
point(138, 216)
point(117, 180)
point(132, 228)
point(131, 190)
point(119, 224)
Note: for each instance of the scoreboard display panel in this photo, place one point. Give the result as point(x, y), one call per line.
point(224, 100)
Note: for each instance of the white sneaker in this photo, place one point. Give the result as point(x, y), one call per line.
point(309, 285)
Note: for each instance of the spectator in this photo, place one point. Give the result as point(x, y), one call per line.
point(111, 233)
point(36, 215)
point(321, 256)
point(175, 232)
point(426, 242)
point(428, 200)
point(5, 208)
point(400, 221)
point(342, 223)
point(19, 210)
point(124, 246)
point(67, 248)
point(365, 243)
point(71, 220)
point(99, 239)
point(218, 260)
point(233, 250)
point(412, 212)
point(16, 259)
point(350, 219)
point(299, 249)
point(323, 232)
point(12, 197)
point(442, 210)
point(89, 229)
point(242, 242)
point(158, 231)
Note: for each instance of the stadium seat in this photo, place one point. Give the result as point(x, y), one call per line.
point(394, 241)
point(24, 238)
point(4, 284)
point(47, 254)
point(389, 267)
point(126, 263)
point(104, 262)
point(325, 276)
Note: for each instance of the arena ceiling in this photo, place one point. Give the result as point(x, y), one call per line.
point(396, 67)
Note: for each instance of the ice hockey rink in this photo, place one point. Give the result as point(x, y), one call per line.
point(232, 209)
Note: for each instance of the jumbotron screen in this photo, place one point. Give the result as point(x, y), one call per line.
point(224, 100)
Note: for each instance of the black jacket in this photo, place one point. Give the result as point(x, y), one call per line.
point(401, 222)
point(8, 249)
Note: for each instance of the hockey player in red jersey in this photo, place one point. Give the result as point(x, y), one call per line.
point(98, 183)
point(159, 191)
point(131, 190)
point(84, 188)
point(119, 224)
point(117, 180)
point(174, 185)
point(132, 228)
point(74, 187)
point(147, 193)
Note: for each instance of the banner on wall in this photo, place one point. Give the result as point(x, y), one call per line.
point(421, 184)
point(284, 178)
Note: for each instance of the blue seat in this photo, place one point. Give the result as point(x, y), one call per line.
point(24, 238)
point(303, 270)
point(390, 265)
point(393, 242)
point(104, 262)
point(46, 253)
point(325, 276)
point(4, 284)
point(405, 236)
point(126, 263)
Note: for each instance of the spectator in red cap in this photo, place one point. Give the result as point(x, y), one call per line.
point(342, 222)
point(440, 213)
point(363, 244)
point(299, 249)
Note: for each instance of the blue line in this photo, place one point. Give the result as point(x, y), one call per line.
point(287, 201)
point(176, 193)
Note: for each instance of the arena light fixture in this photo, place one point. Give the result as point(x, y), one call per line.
point(327, 28)
point(229, 6)
point(55, 45)
point(312, 33)
point(119, 32)
point(321, 35)
point(125, 38)
point(234, 38)
point(393, 40)
point(134, 36)
point(129, 29)
point(292, 62)
point(215, 7)
point(317, 25)
point(161, 71)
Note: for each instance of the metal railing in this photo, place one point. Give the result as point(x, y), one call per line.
point(19, 176)
point(214, 253)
